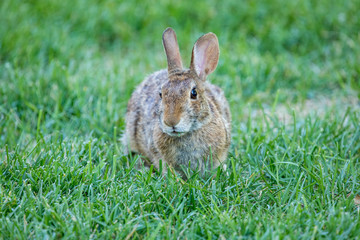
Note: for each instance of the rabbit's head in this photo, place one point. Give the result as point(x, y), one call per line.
point(184, 106)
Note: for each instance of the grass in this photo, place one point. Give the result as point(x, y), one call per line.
point(67, 69)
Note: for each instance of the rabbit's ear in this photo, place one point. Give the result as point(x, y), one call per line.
point(171, 49)
point(205, 55)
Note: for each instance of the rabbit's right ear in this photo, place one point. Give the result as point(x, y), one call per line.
point(172, 50)
point(205, 55)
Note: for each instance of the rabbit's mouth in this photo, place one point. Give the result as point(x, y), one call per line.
point(175, 133)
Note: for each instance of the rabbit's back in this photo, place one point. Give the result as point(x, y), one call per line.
point(217, 96)
point(142, 113)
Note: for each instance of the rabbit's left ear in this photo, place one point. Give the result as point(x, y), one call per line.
point(205, 55)
point(171, 47)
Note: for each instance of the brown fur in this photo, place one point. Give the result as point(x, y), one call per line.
point(176, 128)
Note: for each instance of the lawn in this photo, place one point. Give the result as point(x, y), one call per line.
point(291, 73)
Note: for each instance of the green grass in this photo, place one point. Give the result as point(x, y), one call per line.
point(290, 70)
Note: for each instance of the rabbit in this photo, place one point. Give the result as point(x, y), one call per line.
point(176, 116)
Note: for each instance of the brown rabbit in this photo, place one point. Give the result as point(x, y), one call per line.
point(176, 115)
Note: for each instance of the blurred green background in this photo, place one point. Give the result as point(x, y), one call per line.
point(78, 61)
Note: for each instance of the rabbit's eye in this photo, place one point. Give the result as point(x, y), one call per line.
point(160, 94)
point(193, 93)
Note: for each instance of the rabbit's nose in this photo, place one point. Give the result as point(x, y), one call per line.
point(171, 122)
